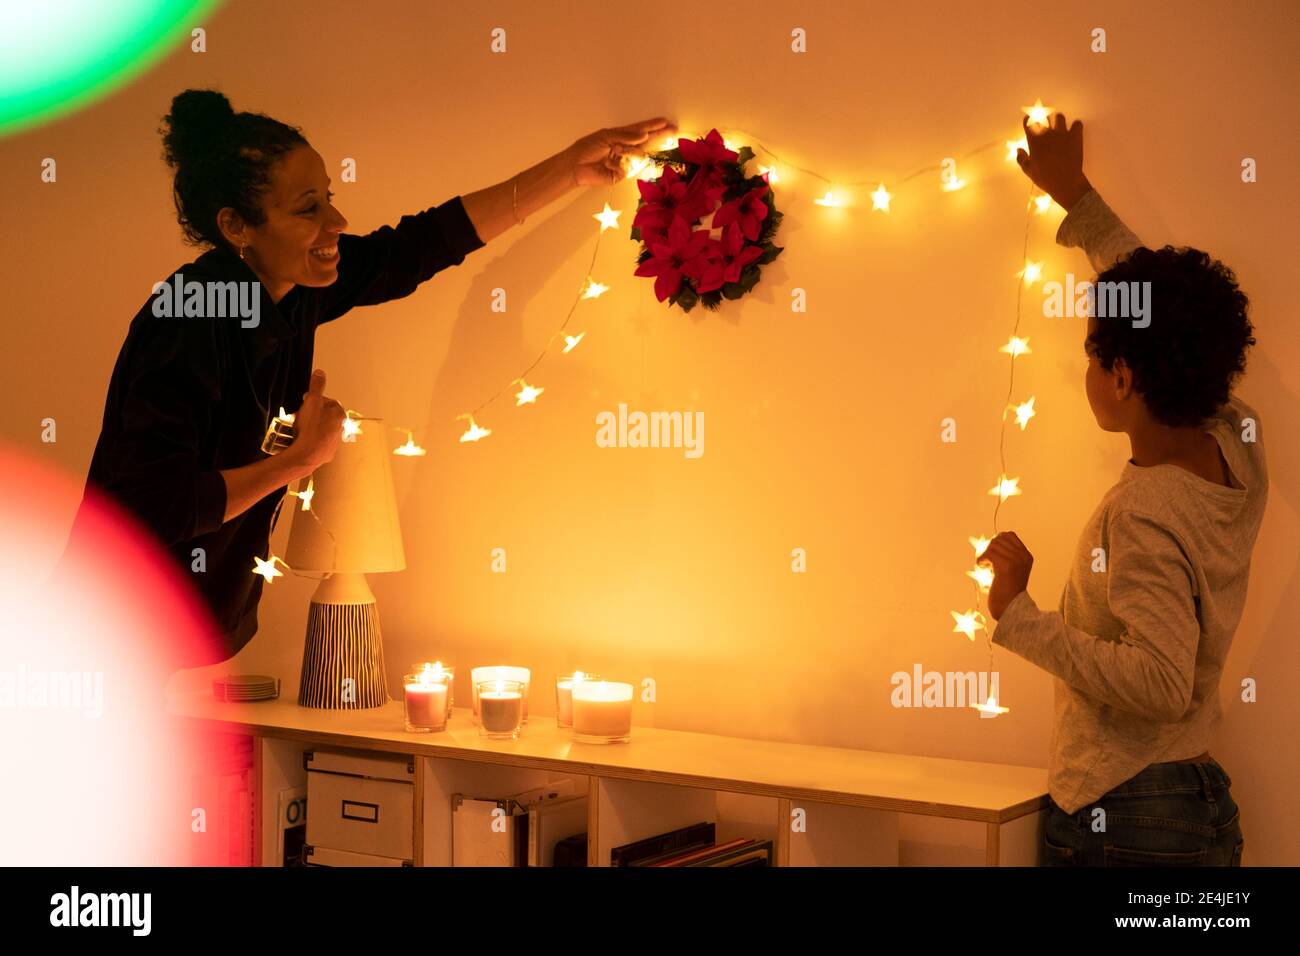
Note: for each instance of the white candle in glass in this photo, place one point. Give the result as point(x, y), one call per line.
point(499, 672)
point(426, 703)
point(500, 710)
point(602, 709)
point(434, 672)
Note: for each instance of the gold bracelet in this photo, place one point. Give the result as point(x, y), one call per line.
point(514, 201)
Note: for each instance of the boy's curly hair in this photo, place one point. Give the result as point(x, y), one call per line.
point(1186, 360)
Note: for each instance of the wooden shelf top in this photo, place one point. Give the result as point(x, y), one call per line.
point(934, 786)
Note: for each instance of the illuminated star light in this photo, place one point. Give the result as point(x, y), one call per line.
point(351, 428)
point(608, 218)
point(979, 544)
point(983, 576)
point(1042, 204)
point(991, 706)
point(307, 493)
point(527, 394)
point(769, 173)
point(473, 432)
point(1017, 346)
point(1006, 488)
point(593, 289)
point(410, 449)
point(1038, 114)
point(968, 623)
point(267, 569)
point(1014, 146)
point(829, 200)
point(640, 166)
point(953, 182)
point(880, 199)
point(1032, 272)
point(572, 340)
point(1024, 411)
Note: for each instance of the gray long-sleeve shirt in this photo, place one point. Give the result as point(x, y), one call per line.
point(1144, 624)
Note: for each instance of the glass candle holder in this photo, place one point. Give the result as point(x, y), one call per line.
point(437, 670)
point(564, 696)
point(279, 434)
point(501, 708)
point(499, 672)
point(425, 702)
point(602, 712)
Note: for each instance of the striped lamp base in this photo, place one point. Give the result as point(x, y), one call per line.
point(343, 659)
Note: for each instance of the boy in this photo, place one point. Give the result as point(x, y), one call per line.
point(1158, 581)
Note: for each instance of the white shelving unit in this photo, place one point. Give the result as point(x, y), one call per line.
point(821, 806)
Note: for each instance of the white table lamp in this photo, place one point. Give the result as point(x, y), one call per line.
point(351, 530)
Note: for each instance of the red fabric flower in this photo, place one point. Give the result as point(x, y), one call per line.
point(733, 255)
point(709, 153)
point(670, 197)
point(749, 211)
point(684, 253)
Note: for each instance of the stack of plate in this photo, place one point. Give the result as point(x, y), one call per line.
point(244, 687)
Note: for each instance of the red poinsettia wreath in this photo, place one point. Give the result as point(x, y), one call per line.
point(705, 227)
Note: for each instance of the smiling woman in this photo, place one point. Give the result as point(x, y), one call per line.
point(193, 391)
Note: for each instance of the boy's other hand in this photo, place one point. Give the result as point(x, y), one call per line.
point(1012, 563)
point(1055, 159)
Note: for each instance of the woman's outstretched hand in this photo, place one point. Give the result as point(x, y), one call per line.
point(598, 157)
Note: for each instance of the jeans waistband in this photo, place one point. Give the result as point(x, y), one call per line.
point(1205, 777)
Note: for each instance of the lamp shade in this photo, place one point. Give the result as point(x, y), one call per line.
point(353, 498)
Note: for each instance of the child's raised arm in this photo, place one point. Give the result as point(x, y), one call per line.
point(1054, 161)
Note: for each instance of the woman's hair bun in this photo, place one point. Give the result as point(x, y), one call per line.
point(220, 159)
point(195, 125)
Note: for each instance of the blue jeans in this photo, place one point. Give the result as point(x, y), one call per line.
point(1170, 814)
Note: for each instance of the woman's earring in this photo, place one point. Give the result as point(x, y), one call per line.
point(241, 251)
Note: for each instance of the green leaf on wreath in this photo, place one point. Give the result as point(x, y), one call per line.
point(745, 154)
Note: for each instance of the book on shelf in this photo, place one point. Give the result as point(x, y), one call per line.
point(673, 842)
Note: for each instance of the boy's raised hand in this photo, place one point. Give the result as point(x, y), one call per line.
point(1055, 159)
point(1012, 563)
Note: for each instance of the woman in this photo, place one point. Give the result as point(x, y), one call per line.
point(192, 395)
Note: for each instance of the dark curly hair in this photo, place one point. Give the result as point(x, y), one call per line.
point(222, 158)
point(1186, 360)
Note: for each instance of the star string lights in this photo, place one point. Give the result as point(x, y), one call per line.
point(968, 622)
point(837, 196)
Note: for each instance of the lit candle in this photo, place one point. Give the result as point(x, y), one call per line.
point(426, 703)
point(435, 672)
point(501, 708)
point(602, 710)
point(564, 697)
point(481, 674)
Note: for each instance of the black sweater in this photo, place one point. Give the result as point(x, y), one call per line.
point(190, 397)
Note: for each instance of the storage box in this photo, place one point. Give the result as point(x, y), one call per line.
point(360, 803)
point(323, 856)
